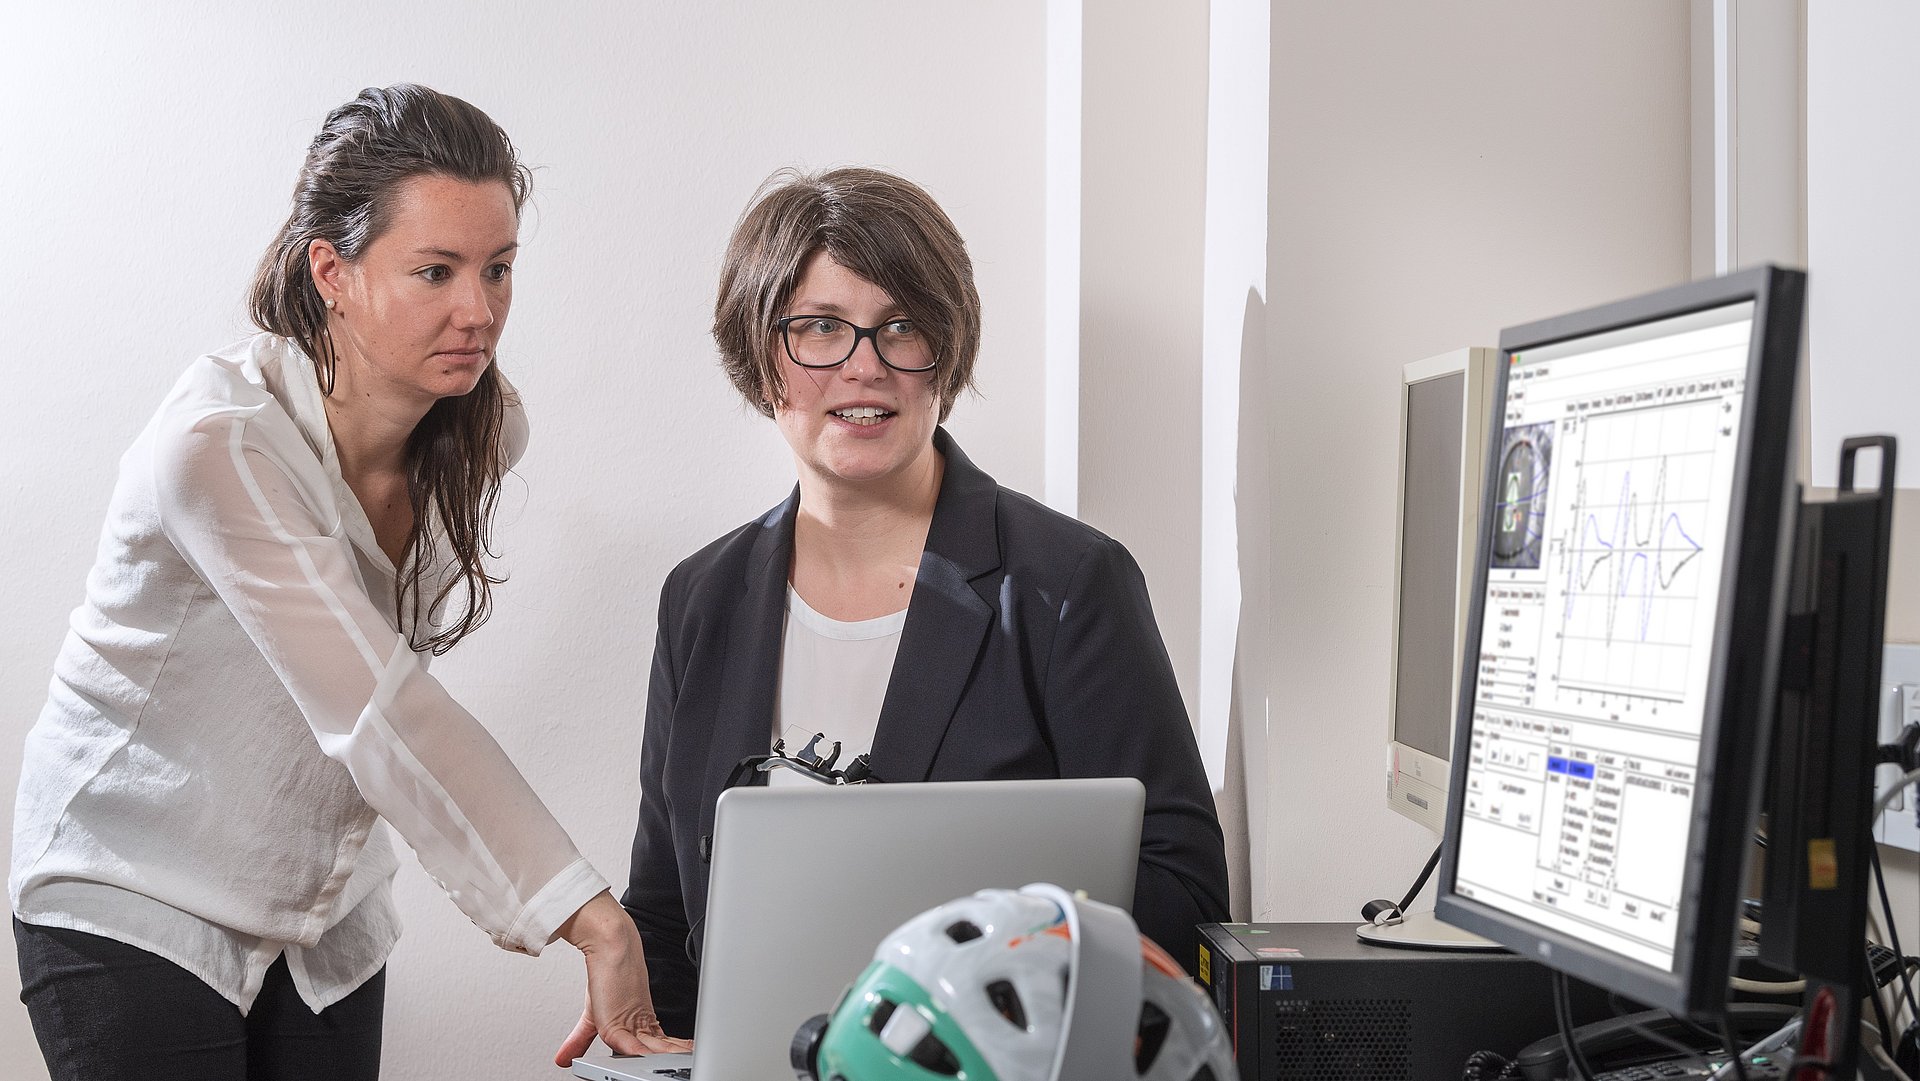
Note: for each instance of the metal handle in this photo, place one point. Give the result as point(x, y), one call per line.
point(1849, 448)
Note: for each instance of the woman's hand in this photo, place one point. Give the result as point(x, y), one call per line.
point(619, 1002)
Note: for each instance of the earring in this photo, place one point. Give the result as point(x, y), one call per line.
point(330, 303)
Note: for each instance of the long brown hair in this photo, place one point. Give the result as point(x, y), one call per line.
point(454, 458)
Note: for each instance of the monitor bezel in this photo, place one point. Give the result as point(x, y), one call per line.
point(1739, 700)
point(1408, 765)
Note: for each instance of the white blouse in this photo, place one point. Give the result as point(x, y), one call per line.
point(233, 708)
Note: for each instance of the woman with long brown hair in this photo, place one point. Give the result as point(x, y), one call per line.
point(199, 885)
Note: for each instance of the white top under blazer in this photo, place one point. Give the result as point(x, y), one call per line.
point(234, 707)
point(833, 681)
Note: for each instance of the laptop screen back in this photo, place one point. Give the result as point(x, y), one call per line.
point(807, 881)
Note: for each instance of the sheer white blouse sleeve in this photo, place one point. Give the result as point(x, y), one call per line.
point(237, 496)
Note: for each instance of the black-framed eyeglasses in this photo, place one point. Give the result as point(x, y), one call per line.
point(828, 341)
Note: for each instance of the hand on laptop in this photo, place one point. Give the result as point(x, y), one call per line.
point(619, 1002)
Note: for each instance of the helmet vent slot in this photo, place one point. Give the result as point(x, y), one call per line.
point(1006, 1000)
point(878, 1019)
point(933, 1055)
point(964, 931)
point(1154, 1027)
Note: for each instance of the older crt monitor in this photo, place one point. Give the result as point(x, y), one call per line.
point(1627, 620)
point(1445, 407)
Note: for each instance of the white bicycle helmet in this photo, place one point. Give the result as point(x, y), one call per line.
point(1033, 985)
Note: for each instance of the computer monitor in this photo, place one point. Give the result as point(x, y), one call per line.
point(1445, 408)
point(1826, 742)
point(1627, 617)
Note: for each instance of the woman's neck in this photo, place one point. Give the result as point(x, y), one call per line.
point(370, 427)
point(368, 440)
point(370, 433)
point(857, 546)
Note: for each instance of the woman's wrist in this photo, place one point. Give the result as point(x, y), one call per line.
point(599, 926)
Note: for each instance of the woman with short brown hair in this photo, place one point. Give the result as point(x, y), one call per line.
point(899, 602)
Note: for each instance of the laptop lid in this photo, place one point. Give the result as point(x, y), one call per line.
point(807, 881)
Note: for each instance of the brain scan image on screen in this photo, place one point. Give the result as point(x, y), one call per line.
point(1526, 453)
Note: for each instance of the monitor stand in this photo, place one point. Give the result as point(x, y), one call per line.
point(1422, 931)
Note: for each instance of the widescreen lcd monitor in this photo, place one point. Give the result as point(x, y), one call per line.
point(1627, 617)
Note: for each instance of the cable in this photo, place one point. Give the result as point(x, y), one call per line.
point(1421, 882)
point(1904, 749)
point(1886, 798)
point(1893, 939)
point(1880, 805)
point(1879, 1007)
point(1578, 1068)
point(1732, 1044)
point(1488, 1066)
point(1650, 1035)
point(1910, 968)
point(1782, 1037)
point(1767, 1045)
point(1382, 912)
point(1886, 1063)
point(1767, 987)
point(1870, 1042)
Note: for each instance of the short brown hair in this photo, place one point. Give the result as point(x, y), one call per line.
point(880, 226)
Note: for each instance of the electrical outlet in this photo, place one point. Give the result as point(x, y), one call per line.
point(1905, 711)
point(1899, 706)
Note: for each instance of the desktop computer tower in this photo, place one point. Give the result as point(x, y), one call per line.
point(1311, 1002)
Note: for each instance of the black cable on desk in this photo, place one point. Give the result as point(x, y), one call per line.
point(1893, 939)
point(1653, 1035)
point(1731, 1040)
point(1373, 909)
point(1879, 1008)
point(1426, 873)
point(1578, 1068)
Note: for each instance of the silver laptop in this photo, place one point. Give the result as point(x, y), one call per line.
point(807, 881)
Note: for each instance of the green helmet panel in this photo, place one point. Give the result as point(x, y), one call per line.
point(852, 1049)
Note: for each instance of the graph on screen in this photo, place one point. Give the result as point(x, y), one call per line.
point(1640, 488)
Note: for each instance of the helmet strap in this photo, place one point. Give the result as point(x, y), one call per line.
point(1103, 994)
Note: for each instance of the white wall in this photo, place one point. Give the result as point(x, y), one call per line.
point(1857, 173)
point(1143, 211)
point(1437, 172)
point(1862, 223)
point(149, 155)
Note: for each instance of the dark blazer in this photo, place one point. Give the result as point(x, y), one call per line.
point(1030, 650)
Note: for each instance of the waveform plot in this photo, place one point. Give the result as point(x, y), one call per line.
point(1627, 553)
point(1639, 494)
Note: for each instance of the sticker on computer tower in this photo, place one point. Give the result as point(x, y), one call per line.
point(1276, 977)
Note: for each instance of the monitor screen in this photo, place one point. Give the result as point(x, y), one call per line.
point(1628, 481)
point(1429, 564)
point(1614, 479)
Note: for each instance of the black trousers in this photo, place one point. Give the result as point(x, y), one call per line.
point(103, 1010)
